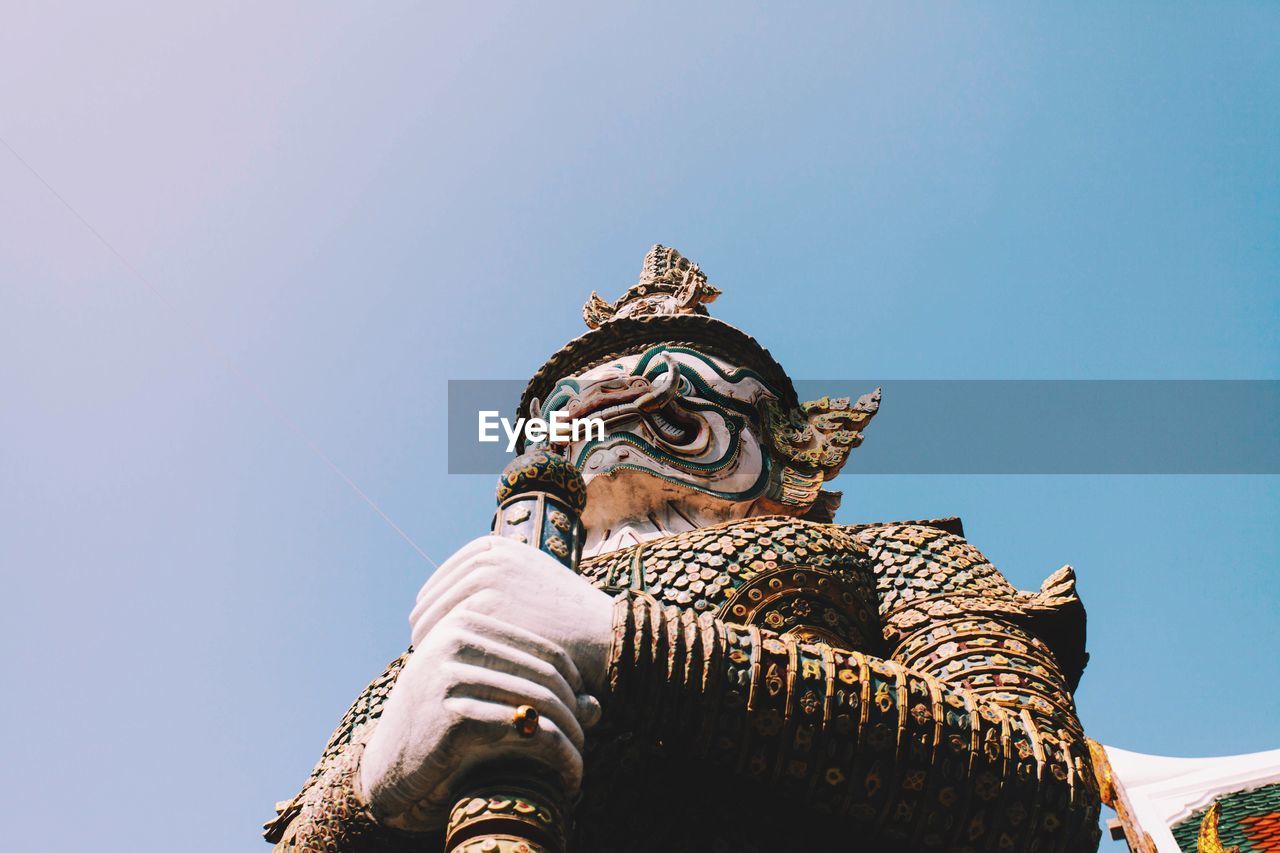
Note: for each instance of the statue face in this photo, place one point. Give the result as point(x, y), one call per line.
point(676, 420)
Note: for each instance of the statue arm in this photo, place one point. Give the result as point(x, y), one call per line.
point(891, 748)
point(328, 814)
point(949, 613)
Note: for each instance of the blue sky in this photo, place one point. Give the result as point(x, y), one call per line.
point(337, 209)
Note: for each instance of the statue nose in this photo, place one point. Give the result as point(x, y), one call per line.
point(618, 396)
point(607, 391)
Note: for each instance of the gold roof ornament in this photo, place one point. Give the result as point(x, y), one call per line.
point(1208, 841)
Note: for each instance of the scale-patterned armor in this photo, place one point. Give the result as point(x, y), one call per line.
point(778, 684)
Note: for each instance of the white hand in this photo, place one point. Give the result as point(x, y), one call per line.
point(499, 625)
point(525, 587)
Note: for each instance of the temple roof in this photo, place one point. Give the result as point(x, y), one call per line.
point(1167, 797)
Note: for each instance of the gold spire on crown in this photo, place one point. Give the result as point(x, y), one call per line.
point(670, 284)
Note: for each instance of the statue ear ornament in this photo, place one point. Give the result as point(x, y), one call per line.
point(811, 443)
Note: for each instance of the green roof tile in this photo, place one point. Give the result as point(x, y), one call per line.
point(1250, 819)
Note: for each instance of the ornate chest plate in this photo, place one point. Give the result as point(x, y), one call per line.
point(810, 580)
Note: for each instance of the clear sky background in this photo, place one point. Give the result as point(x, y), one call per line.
point(341, 207)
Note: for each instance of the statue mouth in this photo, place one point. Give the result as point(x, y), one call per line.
point(678, 429)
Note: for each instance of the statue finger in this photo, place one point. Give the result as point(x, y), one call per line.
point(458, 560)
point(481, 683)
point(550, 746)
point(516, 643)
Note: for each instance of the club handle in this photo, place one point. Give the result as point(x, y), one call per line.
point(512, 812)
point(515, 809)
point(540, 501)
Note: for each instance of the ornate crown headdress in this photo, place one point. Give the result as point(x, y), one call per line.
point(669, 284)
point(667, 305)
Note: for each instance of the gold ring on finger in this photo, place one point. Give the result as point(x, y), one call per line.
point(525, 720)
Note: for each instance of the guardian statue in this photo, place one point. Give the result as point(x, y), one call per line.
point(728, 669)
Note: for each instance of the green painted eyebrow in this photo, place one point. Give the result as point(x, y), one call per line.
point(564, 388)
point(732, 378)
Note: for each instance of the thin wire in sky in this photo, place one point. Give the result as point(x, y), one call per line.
point(218, 353)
